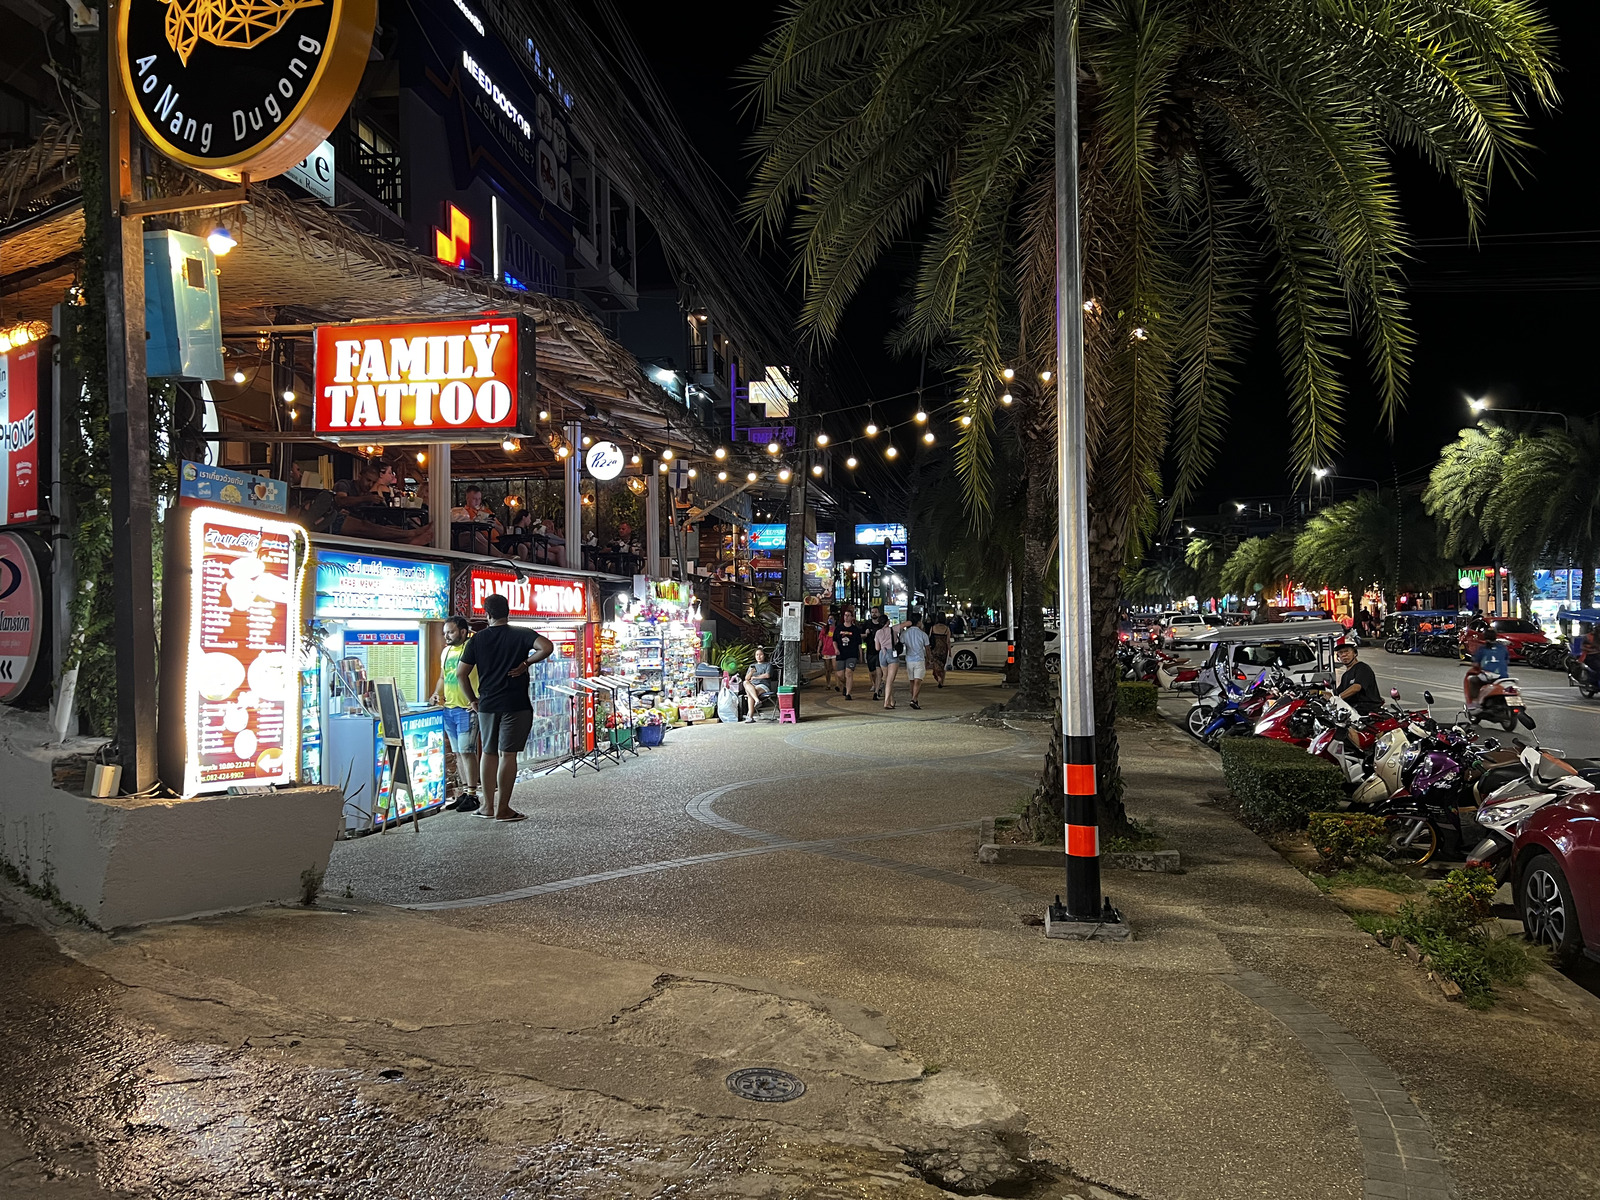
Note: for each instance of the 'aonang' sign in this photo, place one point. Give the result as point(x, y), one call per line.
point(233, 86)
point(463, 380)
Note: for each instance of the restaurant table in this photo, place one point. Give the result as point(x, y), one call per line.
point(388, 514)
point(474, 537)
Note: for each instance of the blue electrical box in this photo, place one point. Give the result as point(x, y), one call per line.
point(182, 313)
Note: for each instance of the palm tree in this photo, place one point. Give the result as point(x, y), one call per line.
point(1258, 564)
point(1358, 542)
point(1230, 149)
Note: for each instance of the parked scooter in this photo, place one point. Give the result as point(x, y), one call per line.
point(1545, 781)
point(1580, 676)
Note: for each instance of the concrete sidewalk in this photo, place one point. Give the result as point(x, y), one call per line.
point(563, 999)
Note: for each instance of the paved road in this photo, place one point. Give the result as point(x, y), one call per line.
point(1565, 719)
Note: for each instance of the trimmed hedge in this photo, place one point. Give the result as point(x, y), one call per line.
point(1346, 838)
point(1136, 699)
point(1276, 785)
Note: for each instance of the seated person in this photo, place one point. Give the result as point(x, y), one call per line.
point(555, 543)
point(473, 509)
point(327, 512)
point(518, 537)
point(758, 683)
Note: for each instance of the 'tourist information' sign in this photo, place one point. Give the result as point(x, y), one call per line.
point(437, 381)
point(365, 585)
point(19, 433)
point(243, 686)
point(236, 86)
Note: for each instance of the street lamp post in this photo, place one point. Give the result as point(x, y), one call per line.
point(1479, 407)
point(1086, 912)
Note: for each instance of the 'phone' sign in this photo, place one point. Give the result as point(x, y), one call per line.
point(19, 434)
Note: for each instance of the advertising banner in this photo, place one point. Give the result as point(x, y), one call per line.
point(21, 616)
point(20, 422)
point(877, 535)
point(200, 484)
point(462, 380)
point(367, 585)
point(527, 595)
point(768, 537)
point(819, 566)
point(243, 686)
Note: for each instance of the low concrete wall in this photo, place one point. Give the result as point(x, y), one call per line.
point(129, 862)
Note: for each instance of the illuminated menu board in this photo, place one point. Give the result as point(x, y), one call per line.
point(243, 685)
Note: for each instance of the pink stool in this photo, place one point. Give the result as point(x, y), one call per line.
point(786, 709)
point(786, 716)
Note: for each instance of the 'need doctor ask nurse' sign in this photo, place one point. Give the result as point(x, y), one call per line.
point(456, 380)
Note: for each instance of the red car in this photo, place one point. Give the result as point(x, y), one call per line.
point(1556, 877)
point(1514, 632)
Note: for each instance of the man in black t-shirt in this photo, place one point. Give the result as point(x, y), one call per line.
point(847, 639)
point(1358, 685)
point(502, 653)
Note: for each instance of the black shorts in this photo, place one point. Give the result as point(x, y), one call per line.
point(504, 732)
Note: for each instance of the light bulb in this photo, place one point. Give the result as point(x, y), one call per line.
point(872, 430)
point(822, 439)
point(288, 395)
point(635, 460)
point(667, 454)
point(721, 452)
point(850, 462)
point(921, 416)
point(816, 468)
point(773, 448)
point(1008, 373)
point(294, 414)
point(587, 439)
point(563, 451)
point(220, 241)
point(928, 437)
point(722, 476)
point(1045, 375)
point(891, 452)
point(238, 376)
point(751, 477)
point(966, 420)
point(693, 473)
point(1006, 398)
point(422, 458)
point(544, 414)
point(661, 467)
point(783, 475)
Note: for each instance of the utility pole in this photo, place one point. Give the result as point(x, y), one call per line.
point(132, 519)
point(1083, 914)
point(794, 563)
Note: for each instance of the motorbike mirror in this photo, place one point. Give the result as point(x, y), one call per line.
point(1427, 697)
point(1394, 693)
point(1527, 721)
point(1529, 757)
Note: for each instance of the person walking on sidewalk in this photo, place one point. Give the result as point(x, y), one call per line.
point(828, 648)
point(938, 648)
point(502, 653)
point(460, 724)
point(888, 660)
point(915, 642)
point(848, 641)
point(870, 649)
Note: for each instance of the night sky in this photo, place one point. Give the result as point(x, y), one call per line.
point(1516, 318)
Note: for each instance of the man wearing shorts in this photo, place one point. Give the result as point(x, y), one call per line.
point(502, 653)
point(915, 642)
point(460, 723)
point(847, 641)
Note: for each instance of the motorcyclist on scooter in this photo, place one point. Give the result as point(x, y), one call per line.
point(1490, 661)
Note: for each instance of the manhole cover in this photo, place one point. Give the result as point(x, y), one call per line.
point(766, 1084)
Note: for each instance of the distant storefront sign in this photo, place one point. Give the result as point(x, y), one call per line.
point(367, 585)
point(769, 537)
point(604, 460)
point(202, 484)
point(876, 535)
point(315, 173)
point(22, 381)
point(469, 379)
point(21, 616)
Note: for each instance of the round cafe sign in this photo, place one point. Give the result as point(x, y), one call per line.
point(233, 86)
point(21, 616)
point(605, 460)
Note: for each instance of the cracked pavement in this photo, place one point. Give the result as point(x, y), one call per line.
point(568, 1029)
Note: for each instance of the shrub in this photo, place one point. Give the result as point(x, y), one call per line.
point(1344, 839)
point(1136, 699)
point(1448, 927)
point(1277, 786)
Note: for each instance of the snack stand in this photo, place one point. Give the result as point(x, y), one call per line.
point(374, 620)
point(563, 610)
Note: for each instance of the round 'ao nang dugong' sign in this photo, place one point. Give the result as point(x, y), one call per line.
point(234, 86)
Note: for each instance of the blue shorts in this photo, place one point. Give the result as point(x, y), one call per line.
point(462, 730)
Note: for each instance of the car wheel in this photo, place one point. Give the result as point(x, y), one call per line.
point(1549, 918)
point(965, 660)
point(1052, 664)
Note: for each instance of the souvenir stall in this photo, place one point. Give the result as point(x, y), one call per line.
point(654, 642)
point(375, 618)
point(563, 610)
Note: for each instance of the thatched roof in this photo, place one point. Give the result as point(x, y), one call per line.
point(298, 262)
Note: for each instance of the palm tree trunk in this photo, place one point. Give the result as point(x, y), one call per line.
point(1586, 587)
point(1039, 459)
point(1043, 817)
